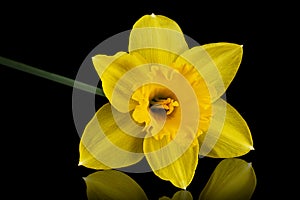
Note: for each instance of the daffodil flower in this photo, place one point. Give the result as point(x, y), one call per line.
point(165, 104)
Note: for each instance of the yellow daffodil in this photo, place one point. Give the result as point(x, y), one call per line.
point(165, 104)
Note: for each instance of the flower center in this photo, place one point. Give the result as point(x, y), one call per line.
point(155, 104)
point(167, 104)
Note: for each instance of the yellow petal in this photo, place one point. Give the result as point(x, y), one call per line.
point(181, 169)
point(233, 178)
point(157, 38)
point(112, 185)
point(197, 66)
point(110, 70)
point(88, 160)
point(103, 140)
point(228, 135)
point(227, 57)
point(215, 63)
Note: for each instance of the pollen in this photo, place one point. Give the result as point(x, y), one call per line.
point(167, 104)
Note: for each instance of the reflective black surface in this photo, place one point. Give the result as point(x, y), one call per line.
point(40, 156)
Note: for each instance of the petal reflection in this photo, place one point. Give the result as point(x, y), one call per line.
point(112, 184)
point(233, 178)
point(180, 195)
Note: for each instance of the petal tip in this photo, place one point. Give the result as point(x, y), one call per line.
point(251, 148)
point(153, 15)
point(93, 58)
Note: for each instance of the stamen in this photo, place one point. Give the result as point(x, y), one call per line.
point(167, 104)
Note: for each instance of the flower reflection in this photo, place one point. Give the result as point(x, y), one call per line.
point(233, 178)
point(182, 194)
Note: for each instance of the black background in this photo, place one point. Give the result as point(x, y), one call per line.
point(39, 142)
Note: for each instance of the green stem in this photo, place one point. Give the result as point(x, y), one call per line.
point(51, 76)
